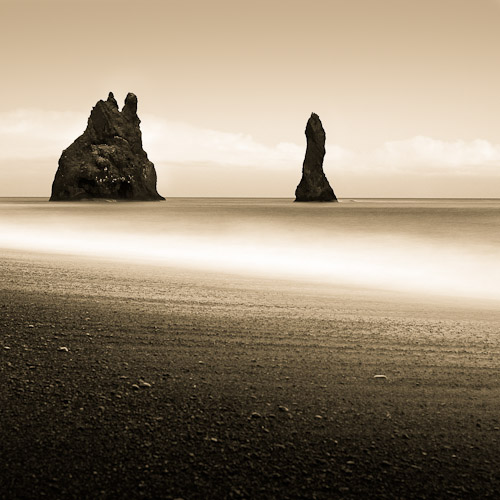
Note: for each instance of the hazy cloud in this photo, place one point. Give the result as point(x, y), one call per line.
point(432, 156)
point(29, 134)
point(35, 134)
point(180, 143)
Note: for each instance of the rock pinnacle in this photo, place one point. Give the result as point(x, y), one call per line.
point(314, 185)
point(107, 161)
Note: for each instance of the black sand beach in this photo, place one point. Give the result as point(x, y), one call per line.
point(128, 381)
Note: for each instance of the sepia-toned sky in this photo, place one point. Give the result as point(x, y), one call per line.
point(407, 90)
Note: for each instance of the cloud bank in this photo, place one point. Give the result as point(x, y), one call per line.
point(180, 143)
point(31, 141)
point(38, 134)
point(432, 156)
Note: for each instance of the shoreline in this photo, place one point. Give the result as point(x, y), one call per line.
point(193, 385)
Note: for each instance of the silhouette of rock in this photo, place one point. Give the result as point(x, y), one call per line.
point(107, 160)
point(314, 185)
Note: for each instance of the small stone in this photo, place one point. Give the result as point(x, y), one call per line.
point(6, 347)
point(283, 408)
point(255, 415)
point(143, 383)
point(380, 376)
point(63, 349)
point(319, 417)
point(135, 387)
point(31, 326)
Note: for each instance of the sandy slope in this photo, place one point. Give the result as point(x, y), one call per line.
point(183, 385)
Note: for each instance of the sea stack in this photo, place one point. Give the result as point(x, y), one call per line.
point(107, 161)
point(314, 185)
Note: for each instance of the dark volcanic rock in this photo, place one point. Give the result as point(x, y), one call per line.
point(314, 185)
point(107, 160)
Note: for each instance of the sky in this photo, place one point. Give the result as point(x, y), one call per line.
point(407, 91)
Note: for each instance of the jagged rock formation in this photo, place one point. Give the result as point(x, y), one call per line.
point(314, 185)
point(107, 160)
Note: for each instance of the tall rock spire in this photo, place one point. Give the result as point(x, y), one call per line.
point(107, 160)
point(314, 185)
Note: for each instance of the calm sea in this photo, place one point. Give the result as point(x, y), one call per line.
point(436, 246)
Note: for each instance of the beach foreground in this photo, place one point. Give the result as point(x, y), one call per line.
point(129, 381)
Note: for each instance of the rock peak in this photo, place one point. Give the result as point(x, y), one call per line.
point(314, 185)
point(107, 160)
point(130, 107)
point(111, 99)
point(131, 98)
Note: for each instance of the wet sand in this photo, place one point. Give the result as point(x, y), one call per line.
point(128, 381)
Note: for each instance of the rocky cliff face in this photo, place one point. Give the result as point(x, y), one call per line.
point(107, 160)
point(314, 185)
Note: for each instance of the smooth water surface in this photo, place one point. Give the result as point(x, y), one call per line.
point(446, 247)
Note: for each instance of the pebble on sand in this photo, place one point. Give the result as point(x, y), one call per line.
point(379, 376)
point(63, 349)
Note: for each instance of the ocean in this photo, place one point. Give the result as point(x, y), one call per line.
point(436, 247)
